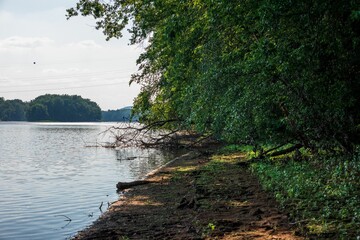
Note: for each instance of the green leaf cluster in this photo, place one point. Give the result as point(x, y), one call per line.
point(247, 71)
point(12, 110)
point(322, 193)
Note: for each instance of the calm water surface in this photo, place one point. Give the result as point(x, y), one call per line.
point(47, 174)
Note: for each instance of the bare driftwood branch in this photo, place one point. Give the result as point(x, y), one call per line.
point(153, 135)
point(125, 185)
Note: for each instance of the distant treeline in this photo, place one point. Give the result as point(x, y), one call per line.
point(13, 110)
point(50, 107)
point(120, 115)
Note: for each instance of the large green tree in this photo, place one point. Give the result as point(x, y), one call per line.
point(246, 71)
point(63, 108)
point(12, 110)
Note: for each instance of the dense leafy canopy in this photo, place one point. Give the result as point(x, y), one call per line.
point(120, 115)
point(246, 71)
point(12, 110)
point(63, 108)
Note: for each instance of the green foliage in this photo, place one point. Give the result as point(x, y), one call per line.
point(37, 112)
point(63, 108)
point(323, 192)
point(235, 148)
point(248, 71)
point(120, 115)
point(50, 108)
point(206, 231)
point(12, 110)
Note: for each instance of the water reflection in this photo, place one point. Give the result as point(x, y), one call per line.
point(46, 172)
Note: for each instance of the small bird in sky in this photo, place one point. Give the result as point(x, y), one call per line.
point(34, 62)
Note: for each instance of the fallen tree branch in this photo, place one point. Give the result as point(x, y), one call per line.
point(272, 149)
point(125, 185)
point(153, 135)
point(285, 151)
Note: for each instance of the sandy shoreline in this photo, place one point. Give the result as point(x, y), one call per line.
point(177, 205)
point(123, 199)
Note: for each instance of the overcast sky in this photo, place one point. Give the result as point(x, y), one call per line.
point(42, 52)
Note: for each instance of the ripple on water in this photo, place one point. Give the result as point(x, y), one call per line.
point(46, 173)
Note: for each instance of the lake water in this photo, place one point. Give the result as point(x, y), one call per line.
point(47, 175)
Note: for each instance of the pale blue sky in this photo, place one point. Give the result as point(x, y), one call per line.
point(71, 56)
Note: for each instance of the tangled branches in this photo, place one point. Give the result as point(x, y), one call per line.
point(153, 135)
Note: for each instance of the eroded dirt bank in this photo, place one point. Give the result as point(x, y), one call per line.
point(195, 198)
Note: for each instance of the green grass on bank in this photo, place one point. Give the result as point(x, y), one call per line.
point(321, 193)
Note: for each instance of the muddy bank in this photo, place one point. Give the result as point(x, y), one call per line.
point(194, 197)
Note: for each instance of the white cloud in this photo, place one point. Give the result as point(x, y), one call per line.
point(16, 42)
point(85, 44)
